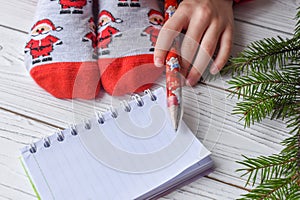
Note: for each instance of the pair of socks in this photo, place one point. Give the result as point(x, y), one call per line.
point(75, 47)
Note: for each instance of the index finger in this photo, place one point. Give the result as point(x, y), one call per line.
point(166, 36)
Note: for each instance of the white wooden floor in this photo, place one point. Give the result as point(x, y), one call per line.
point(27, 113)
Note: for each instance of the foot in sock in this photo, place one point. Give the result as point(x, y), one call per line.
point(59, 54)
point(127, 32)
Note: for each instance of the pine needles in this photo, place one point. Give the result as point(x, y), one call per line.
point(266, 78)
point(265, 55)
point(265, 94)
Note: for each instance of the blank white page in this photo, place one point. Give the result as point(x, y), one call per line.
point(123, 158)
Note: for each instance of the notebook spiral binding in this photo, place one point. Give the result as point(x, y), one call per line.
point(100, 118)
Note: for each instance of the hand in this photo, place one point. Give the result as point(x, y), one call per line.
point(206, 23)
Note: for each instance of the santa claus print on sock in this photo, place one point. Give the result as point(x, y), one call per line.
point(106, 31)
point(156, 20)
point(91, 36)
point(42, 42)
point(67, 5)
point(170, 11)
point(125, 3)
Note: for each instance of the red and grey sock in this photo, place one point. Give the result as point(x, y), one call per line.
point(60, 53)
point(127, 33)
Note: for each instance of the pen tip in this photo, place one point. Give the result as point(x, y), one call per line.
point(176, 125)
point(175, 112)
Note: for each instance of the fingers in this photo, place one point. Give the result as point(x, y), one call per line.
point(205, 24)
point(191, 42)
point(205, 52)
point(224, 51)
point(170, 30)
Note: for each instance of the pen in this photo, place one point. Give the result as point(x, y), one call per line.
point(173, 75)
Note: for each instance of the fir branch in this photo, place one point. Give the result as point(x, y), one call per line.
point(258, 107)
point(265, 55)
point(259, 82)
point(283, 188)
point(283, 111)
point(293, 143)
point(280, 174)
point(267, 166)
point(271, 87)
point(276, 165)
point(266, 94)
point(294, 122)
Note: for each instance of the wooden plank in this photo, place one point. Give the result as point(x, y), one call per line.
point(10, 193)
point(219, 130)
point(272, 14)
point(244, 34)
point(18, 14)
point(16, 131)
point(275, 15)
point(21, 95)
point(12, 44)
point(214, 112)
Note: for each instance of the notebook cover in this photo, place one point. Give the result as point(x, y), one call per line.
point(29, 178)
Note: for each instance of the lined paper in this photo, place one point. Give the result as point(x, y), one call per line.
point(112, 162)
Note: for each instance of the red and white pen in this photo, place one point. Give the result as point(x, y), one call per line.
point(173, 75)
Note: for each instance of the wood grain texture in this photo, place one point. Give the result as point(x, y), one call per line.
point(28, 113)
point(274, 15)
point(17, 131)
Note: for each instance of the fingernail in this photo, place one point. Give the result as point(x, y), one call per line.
point(158, 62)
point(214, 70)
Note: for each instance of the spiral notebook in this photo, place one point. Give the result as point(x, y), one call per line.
point(130, 152)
